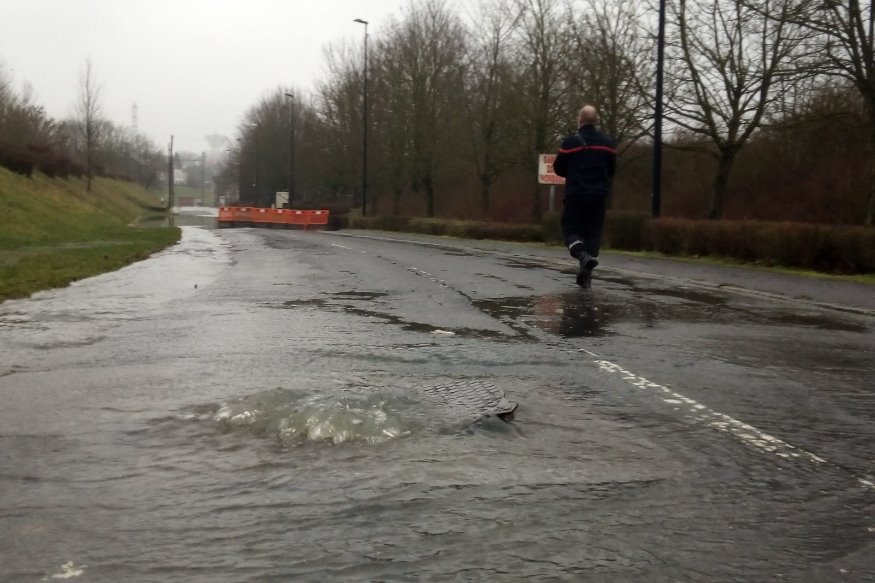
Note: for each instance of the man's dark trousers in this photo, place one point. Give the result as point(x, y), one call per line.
point(583, 218)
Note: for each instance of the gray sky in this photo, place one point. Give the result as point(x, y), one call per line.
point(191, 66)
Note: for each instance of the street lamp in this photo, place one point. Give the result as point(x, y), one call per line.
point(291, 102)
point(365, 123)
point(656, 191)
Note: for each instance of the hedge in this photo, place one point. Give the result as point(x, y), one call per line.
point(828, 248)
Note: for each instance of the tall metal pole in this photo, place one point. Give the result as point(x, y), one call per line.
point(170, 193)
point(656, 192)
point(255, 163)
point(203, 177)
point(365, 123)
point(291, 147)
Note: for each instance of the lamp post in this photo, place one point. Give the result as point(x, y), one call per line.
point(656, 191)
point(291, 97)
point(365, 124)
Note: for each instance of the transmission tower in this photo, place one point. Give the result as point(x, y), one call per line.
point(134, 121)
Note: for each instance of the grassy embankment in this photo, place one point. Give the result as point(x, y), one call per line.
point(53, 232)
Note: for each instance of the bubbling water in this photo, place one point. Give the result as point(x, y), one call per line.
point(293, 418)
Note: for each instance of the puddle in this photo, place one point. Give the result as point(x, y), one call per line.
point(585, 314)
point(571, 315)
point(358, 295)
point(328, 305)
point(691, 295)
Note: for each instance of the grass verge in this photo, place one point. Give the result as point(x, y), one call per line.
point(54, 232)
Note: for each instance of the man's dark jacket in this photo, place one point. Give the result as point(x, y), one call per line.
point(587, 160)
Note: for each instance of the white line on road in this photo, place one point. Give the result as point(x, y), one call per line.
point(744, 432)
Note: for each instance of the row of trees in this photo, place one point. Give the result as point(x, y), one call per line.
point(462, 101)
point(85, 144)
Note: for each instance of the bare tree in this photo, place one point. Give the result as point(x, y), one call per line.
point(89, 113)
point(846, 38)
point(489, 87)
point(339, 113)
point(430, 42)
point(391, 115)
point(611, 66)
point(729, 62)
point(543, 48)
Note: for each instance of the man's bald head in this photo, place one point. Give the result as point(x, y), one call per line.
point(588, 116)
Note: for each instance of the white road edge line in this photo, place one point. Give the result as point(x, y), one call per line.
point(744, 432)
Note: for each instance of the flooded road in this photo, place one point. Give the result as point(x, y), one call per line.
point(265, 405)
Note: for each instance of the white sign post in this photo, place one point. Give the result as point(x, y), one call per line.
point(547, 176)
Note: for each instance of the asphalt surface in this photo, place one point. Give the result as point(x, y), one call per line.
point(254, 405)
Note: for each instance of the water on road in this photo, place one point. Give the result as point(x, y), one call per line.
point(287, 406)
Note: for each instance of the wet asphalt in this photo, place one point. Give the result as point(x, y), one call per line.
point(676, 422)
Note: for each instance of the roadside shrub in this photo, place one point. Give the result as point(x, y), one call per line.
point(337, 222)
point(498, 231)
point(427, 226)
point(53, 164)
point(551, 228)
point(360, 222)
point(390, 223)
point(830, 248)
point(850, 249)
point(16, 159)
point(669, 236)
point(624, 230)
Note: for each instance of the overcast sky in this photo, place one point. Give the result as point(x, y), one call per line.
point(192, 66)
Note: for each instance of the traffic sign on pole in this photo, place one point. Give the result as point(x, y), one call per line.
point(545, 170)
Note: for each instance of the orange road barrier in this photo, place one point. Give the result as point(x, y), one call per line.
point(230, 216)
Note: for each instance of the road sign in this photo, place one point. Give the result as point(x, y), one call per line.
point(545, 170)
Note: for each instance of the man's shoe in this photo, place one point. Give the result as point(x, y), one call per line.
point(587, 264)
point(577, 249)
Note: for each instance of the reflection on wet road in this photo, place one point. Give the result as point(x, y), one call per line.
point(260, 405)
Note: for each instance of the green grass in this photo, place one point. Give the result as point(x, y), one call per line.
point(53, 232)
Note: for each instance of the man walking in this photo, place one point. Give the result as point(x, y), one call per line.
point(587, 161)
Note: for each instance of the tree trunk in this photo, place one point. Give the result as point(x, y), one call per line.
point(484, 198)
point(718, 192)
point(870, 203)
point(396, 200)
point(429, 197)
point(485, 185)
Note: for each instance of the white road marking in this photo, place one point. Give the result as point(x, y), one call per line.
point(744, 432)
point(70, 570)
point(443, 333)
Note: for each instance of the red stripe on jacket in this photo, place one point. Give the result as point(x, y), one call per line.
point(580, 148)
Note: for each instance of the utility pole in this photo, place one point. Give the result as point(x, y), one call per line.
point(291, 147)
point(170, 176)
point(203, 177)
point(656, 189)
point(365, 123)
